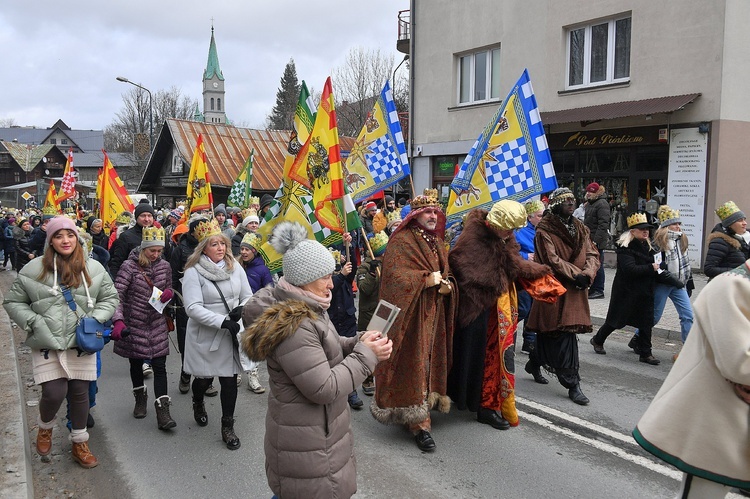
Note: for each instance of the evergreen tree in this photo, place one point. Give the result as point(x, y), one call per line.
point(282, 115)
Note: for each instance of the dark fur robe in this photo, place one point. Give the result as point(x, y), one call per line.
point(486, 269)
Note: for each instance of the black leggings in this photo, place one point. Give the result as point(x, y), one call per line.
point(159, 365)
point(53, 394)
point(228, 393)
point(181, 328)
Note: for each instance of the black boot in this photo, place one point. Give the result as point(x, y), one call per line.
point(492, 418)
point(199, 412)
point(577, 396)
point(536, 371)
point(633, 343)
point(141, 399)
point(163, 419)
point(227, 433)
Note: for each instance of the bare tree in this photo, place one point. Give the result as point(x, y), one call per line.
point(356, 84)
point(7, 122)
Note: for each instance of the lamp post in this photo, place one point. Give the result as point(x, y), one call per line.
point(150, 111)
point(393, 80)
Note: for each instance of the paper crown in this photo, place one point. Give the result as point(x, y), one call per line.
point(49, 212)
point(152, 234)
point(428, 199)
point(206, 229)
point(336, 254)
point(727, 209)
point(392, 217)
point(667, 216)
point(123, 218)
point(248, 212)
point(251, 240)
point(636, 220)
point(534, 206)
point(254, 200)
point(378, 243)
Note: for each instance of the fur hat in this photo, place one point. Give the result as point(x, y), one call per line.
point(559, 195)
point(59, 223)
point(507, 215)
point(729, 213)
point(304, 260)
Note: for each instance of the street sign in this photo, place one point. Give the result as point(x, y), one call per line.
point(26, 196)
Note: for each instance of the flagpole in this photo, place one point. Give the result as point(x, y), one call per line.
point(369, 249)
point(346, 231)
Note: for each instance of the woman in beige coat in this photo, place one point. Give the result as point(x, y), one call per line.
point(309, 444)
point(699, 420)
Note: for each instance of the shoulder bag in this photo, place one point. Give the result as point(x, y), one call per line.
point(90, 333)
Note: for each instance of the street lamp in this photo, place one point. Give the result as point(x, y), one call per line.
point(150, 111)
point(393, 80)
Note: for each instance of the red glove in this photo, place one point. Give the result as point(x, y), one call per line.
point(166, 295)
point(120, 330)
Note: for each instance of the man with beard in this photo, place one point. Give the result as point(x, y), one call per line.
point(563, 243)
point(416, 278)
point(487, 262)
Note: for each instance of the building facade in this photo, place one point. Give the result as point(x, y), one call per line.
point(645, 98)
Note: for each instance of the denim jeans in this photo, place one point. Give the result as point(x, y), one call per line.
point(598, 284)
point(681, 302)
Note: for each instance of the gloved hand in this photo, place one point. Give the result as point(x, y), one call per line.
point(582, 281)
point(236, 314)
point(374, 264)
point(166, 295)
point(120, 330)
point(666, 277)
point(231, 326)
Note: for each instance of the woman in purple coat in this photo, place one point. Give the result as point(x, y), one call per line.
point(141, 329)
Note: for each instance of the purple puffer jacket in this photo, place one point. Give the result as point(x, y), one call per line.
point(258, 274)
point(149, 337)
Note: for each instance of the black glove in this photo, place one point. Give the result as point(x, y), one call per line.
point(690, 286)
point(231, 326)
point(666, 277)
point(582, 282)
point(374, 264)
point(236, 314)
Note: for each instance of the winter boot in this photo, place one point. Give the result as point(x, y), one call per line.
point(227, 433)
point(199, 412)
point(83, 456)
point(253, 383)
point(141, 398)
point(163, 419)
point(44, 438)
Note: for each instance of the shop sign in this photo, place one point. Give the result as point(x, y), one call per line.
point(622, 137)
point(174, 182)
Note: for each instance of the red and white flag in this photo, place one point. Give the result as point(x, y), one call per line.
point(68, 185)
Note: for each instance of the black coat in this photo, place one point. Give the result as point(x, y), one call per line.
point(725, 252)
point(632, 299)
point(597, 217)
point(342, 312)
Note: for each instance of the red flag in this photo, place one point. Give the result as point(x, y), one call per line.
point(68, 185)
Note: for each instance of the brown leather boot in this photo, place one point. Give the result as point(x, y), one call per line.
point(44, 441)
point(83, 456)
point(163, 419)
point(141, 398)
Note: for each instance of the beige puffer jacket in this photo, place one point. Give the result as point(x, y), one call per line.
point(309, 444)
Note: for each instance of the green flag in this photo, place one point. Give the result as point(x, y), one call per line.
point(239, 196)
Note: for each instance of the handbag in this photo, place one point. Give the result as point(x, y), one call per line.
point(90, 333)
point(167, 317)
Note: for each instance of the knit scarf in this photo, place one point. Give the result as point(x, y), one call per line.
point(677, 262)
point(323, 302)
point(212, 271)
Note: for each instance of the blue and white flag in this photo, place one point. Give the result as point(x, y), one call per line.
point(509, 160)
point(378, 157)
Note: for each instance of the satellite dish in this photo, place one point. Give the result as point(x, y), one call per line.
point(44, 159)
point(46, 172)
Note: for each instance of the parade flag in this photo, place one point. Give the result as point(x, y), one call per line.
point(68, 185)
point(378, 158)
point(51, 199)
point(114, 196)
point(318, 164)
point(199, 196)
point(509, 160)
point(242, 188)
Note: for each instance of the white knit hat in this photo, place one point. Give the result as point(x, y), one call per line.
point(304, 260)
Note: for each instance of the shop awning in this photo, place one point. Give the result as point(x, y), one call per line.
point(591, 114)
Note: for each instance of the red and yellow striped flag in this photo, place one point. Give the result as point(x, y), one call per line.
point(114, 196)
point(68, 185)
point(50, 202)
point(318, 164)
point(199, 196)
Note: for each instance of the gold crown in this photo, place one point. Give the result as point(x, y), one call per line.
point(667, 214)
point(251, 239)
point(378, 243)
point(534, 206)
point(249, 212)
point(431, 192)
point(336, 254)
point(50, 211)
point(152, 234)
point(394, 216)
point(254, 200)
point(727, 209)
point(206, 229)
point(637, 219)
point(428, 199)
point(123, 218)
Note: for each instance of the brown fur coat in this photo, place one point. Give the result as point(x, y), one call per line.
point(484, 266)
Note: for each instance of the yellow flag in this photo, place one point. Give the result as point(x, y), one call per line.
point(114, 196)
point(199, 196)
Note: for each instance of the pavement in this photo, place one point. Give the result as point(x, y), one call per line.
point(15, 441)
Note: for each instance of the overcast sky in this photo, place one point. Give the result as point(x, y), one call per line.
point(60, 59)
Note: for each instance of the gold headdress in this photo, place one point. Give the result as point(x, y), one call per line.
point(534, 206)
point(152, 236)
point(251, 240)
point(378, 243)
point(254, 201)
point(667, 216)
point(206, 229)
point(428, 199)
point(637, 221)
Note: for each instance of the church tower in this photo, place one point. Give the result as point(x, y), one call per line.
point(214, 105)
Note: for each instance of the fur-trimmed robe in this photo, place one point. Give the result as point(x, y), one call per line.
point(408, 386)
point(486, 270)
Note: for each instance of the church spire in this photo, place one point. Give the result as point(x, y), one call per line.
point(212, 66)
point(214, 102)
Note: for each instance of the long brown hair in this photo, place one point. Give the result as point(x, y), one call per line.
point(68, 268)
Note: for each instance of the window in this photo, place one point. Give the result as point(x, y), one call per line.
point(53, 141)
point(212, 103)
point(599, 53)
point(64, 141)
point(218, 104)
point(479, 76)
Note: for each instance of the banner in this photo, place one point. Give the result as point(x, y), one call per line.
point(242, 188)
point(114, 196)
point(68, 185)
point(199, 196)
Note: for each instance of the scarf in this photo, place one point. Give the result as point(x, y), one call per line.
point(323, 302)
point(212, 271)
point(569, 224)
point(677, 262)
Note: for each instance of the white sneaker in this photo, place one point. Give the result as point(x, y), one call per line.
point(147, 371)
point(239, 379)
point(253, 383)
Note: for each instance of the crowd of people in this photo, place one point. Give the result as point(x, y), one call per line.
point(462, 295)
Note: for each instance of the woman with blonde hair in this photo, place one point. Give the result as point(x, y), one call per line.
point(46, 300)
point(214, 288)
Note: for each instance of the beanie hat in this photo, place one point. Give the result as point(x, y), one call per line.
point(250, 218)
point(370, 205)
point(220, 209)
point(144, 207)
point(507, 215)
point(388, 199)
point(667, 216)
point(152, 236)
point(559, 195)
point(304, 260)
point(265, 200)
point(58, 223)
point(729, 213)
point(175, 214)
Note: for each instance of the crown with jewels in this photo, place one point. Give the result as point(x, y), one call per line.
point(252, 240)
point(727, 209)
point(206, 229)
point(248, 212)
point(254, 200)
point(378, 242)
point(336, 254)
point(394, 216)
point(152, 234)
point(123, 218)
point(637, 219)
point(49, 211)
point(427, 200)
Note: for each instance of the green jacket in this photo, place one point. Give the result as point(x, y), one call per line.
point(368, 285)
point(46, 317)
